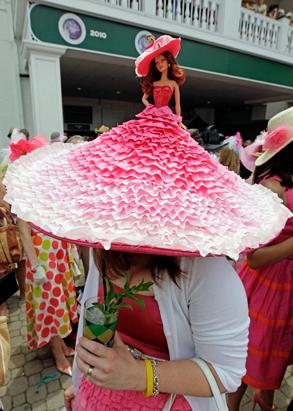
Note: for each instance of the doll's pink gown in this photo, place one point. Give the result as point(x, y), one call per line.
point(146, 330)
point(270, 299)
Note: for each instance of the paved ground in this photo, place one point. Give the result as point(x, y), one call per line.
point(27, 369)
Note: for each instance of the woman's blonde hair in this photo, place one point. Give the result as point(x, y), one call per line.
point(230, 159)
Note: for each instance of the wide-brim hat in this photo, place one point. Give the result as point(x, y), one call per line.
point(102, 129)
point(214, 147)
point(157, 47)
point(279, 135)
point(144, 186)
point(23, 147)
point(247, 154)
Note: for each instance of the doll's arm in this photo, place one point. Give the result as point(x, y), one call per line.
point(145, 99)
point(177, 104)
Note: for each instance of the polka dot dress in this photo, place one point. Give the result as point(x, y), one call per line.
point(52, 305)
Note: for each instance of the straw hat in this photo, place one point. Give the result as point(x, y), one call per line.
point(157, 47)
point(278, 136)
point(102, 129)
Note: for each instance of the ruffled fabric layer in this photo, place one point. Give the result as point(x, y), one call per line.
point(89, 395)
point(145, 185)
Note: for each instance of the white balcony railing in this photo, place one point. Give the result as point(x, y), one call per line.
point(258, 29)
point(136, 5)
point(217, 16)
point(201, 14)
point(289, 48)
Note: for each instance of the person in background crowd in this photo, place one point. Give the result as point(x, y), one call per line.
point(4, 347)
point(57, 137)
point(76, 139)
point(261, 7)
point(273, 11)
point(25, 132)
point(267, 275)
point(229, 154)
point(102, 129)
point(249, 4)
point(49, 290)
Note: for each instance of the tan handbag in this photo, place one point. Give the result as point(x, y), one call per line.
point(11, 250)
point(4, 349)
point(220, 402)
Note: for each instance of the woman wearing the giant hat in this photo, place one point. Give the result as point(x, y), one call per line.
point(268, 274)
point(148, 191)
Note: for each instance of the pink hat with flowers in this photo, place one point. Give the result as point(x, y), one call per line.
point(278, 136)
point(248, 154)
point(23, 147)
point(155, 48)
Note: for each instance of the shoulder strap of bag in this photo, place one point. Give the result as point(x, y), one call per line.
point(221, 404)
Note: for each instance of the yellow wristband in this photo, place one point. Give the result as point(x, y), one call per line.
point(149, 377)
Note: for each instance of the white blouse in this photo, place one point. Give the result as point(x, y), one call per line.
point(205, 316)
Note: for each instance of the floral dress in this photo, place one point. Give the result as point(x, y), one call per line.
point(50, 307)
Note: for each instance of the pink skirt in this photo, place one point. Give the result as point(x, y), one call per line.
point(269, 291)
point(93, 398)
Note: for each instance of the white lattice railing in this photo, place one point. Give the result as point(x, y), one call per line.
point(258, 29)
point(198, 13)
point(136, 5)
point(290, 40)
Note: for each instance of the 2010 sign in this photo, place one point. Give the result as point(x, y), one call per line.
point(98, 34)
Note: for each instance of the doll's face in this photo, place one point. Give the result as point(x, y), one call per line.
point(161, 63)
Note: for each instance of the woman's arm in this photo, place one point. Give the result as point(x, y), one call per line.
point(28, 245)
point(145, 100)
point(271, 254)
point(274, 253)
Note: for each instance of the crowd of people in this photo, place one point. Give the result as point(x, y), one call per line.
point(150, 201)
point(273, 10)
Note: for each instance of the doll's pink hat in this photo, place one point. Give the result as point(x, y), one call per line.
point(278, 136)
point(247, 154)
point(157, 47)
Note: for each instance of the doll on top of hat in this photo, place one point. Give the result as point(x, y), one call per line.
point(161, 75)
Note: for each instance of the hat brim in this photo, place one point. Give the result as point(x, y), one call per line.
point(247, 158)
point(267, 155)
point(142, 67)
point(214, 147)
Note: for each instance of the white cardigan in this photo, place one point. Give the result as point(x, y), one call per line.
point(206, 316)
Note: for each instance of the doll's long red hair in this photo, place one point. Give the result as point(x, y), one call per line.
point(174, 73)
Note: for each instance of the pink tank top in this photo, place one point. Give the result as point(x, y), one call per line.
point(162, 95)
point(142, 328)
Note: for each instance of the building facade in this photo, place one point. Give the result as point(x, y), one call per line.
point(69, 64)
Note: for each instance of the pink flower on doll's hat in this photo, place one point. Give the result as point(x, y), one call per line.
point(23, 147)
point(278, 136)
point(157, 47)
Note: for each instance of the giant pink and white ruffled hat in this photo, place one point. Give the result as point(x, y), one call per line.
point(144, 186)
point(155, 48)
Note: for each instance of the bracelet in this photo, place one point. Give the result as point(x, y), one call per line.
point(149, 377)
point(156, 382)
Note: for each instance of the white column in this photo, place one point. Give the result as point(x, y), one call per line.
point(11, 114)
point(229, 16)
point(45, 83)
